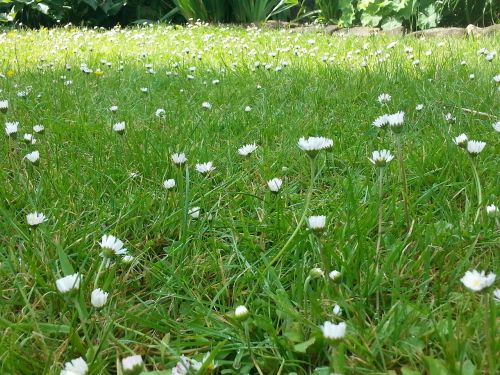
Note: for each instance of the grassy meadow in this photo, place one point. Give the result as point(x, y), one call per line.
point(400, 233)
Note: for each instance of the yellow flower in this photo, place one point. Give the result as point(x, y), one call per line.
point(98, 72)
point(10, 73)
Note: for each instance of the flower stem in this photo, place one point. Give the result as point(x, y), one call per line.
point(302, 218)
point(402, 172)
point(478, 189)
point(379, 231)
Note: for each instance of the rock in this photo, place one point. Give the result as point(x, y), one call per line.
point(308, 29)
point(440, 32)
point(330, 29)
point(357, 31)
point(274, 24)
point(397, 31)
point(473, 30)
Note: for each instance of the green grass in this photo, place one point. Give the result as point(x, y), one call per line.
point(406, 310)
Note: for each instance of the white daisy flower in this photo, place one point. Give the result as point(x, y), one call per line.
point(449, 117)
point(476, 281)
point(119, 127)
point(384, 98)
point(316, 223)
point(4, 106)
point(68, 283)
point(132, 365)
point(314, 144)
point(496, 126)
point(496, 295)
point(381, 158)
point(11, 128)
point(275, 184)
point(160, 112)
point(333, 331)
point(144, 90)
point(381, 121)
point(419, 107)
point(35, 218)
point(194, 212)
point(247, 149)
point(475, 147)
point(248, 109)
point(178, 158)
point(205, 168)
point(337, 310)
point(76, 366)
point(206, 105)
point(33, 157)
point(113, 108)
point(497, 78)
point(111, 247)
point(461, 140)
point(38, 129)
point(334, 275)
point(492, 210)
point(396, 119)
point(169, 184)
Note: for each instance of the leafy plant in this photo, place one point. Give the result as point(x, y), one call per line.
point(259, 10)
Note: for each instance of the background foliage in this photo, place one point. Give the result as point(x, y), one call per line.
point(387, 14)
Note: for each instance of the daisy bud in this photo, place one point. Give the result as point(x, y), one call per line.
point(179, 159)
point(316, 273)
point(241, 313)
point(132, 365)
point(11, 129)
point(33, 157)
point(194, 212)
point(98, 298)
point(337, 310)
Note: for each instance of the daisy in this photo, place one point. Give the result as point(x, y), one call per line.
point(169, 184)
point(476, 281)
point(419, 107)
point(119, 127)
point(315, 144)
point(179, 158)
point(496, 126)
point(248, 109)
point(275, 184)
point(381, 121)
point(144, 90)
point(337, 310)
point(35, 218)
point(113, 108)
point(316, 223)
point(247, 149)
point(497, 78)
point(194, 212)
point(461, 140)
point(381, 158)
point(38, 129)
point(215, 82)
point(496, 295)
point(68, 283)
point(205, 168)
point(132, 365)
point(384, 98)
point(4, 106)
point(206, 105)
point(333, 331)
point(111, 246)
point(475, 147)
point(28, 138)
point(160, 112)
point(396, 120)
point(492, 210)
point(11, 128)
point(76, 366)
point(449, 117)
point(33, 157)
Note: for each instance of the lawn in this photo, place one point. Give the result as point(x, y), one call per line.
point(222, 268)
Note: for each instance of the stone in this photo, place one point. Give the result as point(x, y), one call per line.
point(397, 31)
point(473, 30)
point(358, 31)
point(440, 32)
